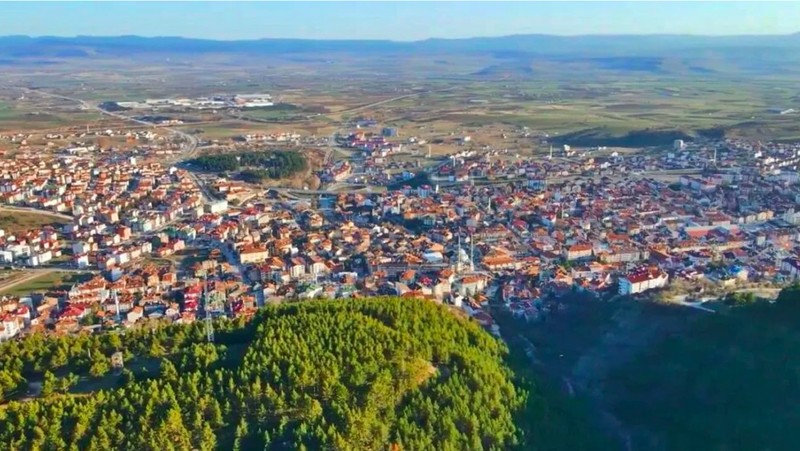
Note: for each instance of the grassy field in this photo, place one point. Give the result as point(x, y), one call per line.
point(277, 113)
point(6, 111)
point(15, 118)
point(44, 282)
point(21, 221)
point(601, 111)
point(231, 128)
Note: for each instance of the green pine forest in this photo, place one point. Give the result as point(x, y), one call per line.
point(368, 374)
point(255, 166)
point(730, 382)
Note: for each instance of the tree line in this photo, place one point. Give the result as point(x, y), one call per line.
point(366, 374)
point(257, 165)
point(359, 374)
point(34, 356)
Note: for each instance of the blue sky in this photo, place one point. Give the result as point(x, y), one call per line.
point(394, 20)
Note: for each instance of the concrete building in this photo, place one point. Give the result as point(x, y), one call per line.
point(642, 280)
point(792, 267)
point(253, 254)
point(220, 206)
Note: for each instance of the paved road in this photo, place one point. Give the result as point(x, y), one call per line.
point(393, 99)
point(696, 305)
point(189, 150)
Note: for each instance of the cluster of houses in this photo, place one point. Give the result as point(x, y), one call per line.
point(30, 248)
point(545, 234)
point(371, 144)
point(144, 292)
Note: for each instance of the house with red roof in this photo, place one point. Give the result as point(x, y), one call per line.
point(641, 280)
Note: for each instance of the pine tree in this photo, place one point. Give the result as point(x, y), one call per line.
point(208, 440)
point(240, 435)
point(49, 384)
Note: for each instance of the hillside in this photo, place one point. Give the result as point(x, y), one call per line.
point(639, 54)
point(367, 374)
point(729, 383)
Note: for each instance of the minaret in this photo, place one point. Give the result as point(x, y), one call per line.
point(458, 253)
point(551, 152)
point(116, 304)
point(471, 254)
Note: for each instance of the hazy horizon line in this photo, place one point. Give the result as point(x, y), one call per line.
point(401, 40)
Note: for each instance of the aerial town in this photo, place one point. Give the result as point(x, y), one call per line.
point(399, 226)
point(152, 240)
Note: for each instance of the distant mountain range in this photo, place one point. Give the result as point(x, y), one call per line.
point(774, 54)
point(628, 45)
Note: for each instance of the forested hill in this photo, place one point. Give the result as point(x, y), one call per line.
point(730, 383)
point(370, 374)
point(273, 164)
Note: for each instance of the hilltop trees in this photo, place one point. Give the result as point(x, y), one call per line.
point(255, 165)
point(358, 374)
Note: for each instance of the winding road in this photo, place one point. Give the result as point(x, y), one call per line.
point(188, 151)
